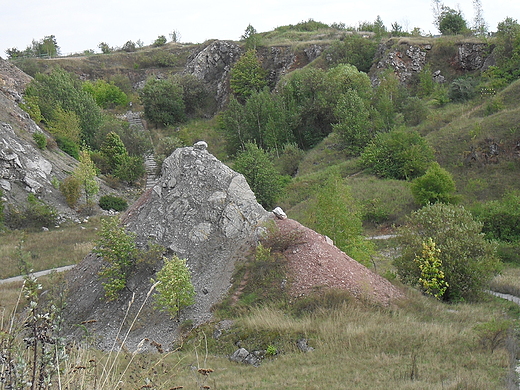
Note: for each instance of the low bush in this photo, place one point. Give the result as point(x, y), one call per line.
point(71, 190)
point(34, 214)
point(400, 154)
point(68, 146)
point(112, 202)
point(501, 218)
point(40, 139)
point(436, 185)
point(468, 260)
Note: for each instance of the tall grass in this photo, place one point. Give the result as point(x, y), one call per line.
point(48, 249)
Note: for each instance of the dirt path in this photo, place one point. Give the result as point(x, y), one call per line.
point(36, 274)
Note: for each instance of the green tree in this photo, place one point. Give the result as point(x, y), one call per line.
point(195, 95)
point(117, 248)
point(163, 101)
point(501, 218)
point(353, 126)
point(71, 190)
point(304, 99)
point(468, 260)
point(251, 38)
point(451, 22)
point(432, 276)
point(400, 154)
point(247, 76)
point(61, 90)
point(114, 150)
point(160, 41)
point(49, 46)
point(354, 50)
point(174, 287)
point(480, 27)
point(507, 51)
point(105, 48)
point(436, 185)
point(130, 169)
point(86, 173)
point(261, 120)
point(258, 169)
point(106, 95)
point(336, 214)
point(65, 124)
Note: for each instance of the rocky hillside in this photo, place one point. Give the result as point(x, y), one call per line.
point(203, 211)
point(24, 168)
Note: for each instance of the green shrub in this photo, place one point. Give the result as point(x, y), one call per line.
point(509, 252)
point(354, 50)
point(469, 261)
point(414, 111)
point(400, 154)
point(118, 249)
point(106, 95)
point(40, 139)
point(68, 146)
point(335, 213)
point(130, 169)
point(112, 202)
point(436, 185)
point(71, 190)
point(494, 105)
point(501, 218)
point(247, 76)
point(34, 214)
point(162, 101)
point(174, 287)
point(160, 41)
point(257, 167)
point(462, 89)
point(432, 277)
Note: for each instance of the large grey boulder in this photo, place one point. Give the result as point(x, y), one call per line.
point(200, 210)
point(203, 211)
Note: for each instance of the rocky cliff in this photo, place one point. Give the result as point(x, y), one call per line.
point(24, 168)
point(447, 59)
point(200, 210)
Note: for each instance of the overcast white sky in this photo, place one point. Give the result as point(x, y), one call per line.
point(79, 25)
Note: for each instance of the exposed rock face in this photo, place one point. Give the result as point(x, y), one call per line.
point(200, 210)
point(213, 64)
point(12, 80)
point(473, 56)
point(408, 60)
point(404, 60)
point(24, 168)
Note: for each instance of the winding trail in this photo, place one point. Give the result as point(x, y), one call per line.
point(37, 274)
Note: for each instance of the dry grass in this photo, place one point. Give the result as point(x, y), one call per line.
point(423, 344)
point(48, 249)
point(508, 282)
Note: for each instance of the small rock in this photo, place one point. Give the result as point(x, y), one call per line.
point(303, 345)
point(279, 213)
point(202, 145)
point(242, 355)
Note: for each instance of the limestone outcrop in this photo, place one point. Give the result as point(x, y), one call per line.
point(24, 168)
point(213, 64)
point(200, 210)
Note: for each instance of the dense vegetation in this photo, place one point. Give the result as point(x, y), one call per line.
point(326, 142)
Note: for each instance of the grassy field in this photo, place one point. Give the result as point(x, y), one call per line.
point(46, 249)
point(418, 343)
